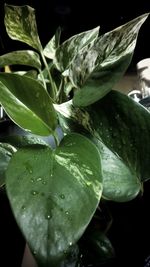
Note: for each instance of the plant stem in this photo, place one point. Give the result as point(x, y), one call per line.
point(53, 86)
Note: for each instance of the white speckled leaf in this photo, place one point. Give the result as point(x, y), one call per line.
point(20, 23)
point(21, 57)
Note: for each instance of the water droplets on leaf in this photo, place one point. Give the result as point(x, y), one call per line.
point(48, 216)
point(44, 182)
point(23, 207)
point(62, 196)
point(28, 167)
point(67, 212)
point(39, 179)
point(34, 193)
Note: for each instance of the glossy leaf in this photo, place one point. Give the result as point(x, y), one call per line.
point(24, 57)
point(27, 103)
point(95, 71)
point(20, 23)
point(124, 125)
point(6, 151)
point(117, 125)
point(19, 141)
point(50, 49)
point(120, 183)
point(68, 50)
point(49, 201)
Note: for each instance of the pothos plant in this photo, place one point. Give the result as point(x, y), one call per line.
point(56, 193)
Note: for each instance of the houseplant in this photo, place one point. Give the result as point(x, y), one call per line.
point(57, 194)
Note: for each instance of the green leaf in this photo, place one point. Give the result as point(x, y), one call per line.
point(6, 152)
point(27, 103)
point(120, 183)
point(49, 201)
point(95, 71)
point(123, 126)
point(19, 141)
point(68, 50)
point(117, 134)
point(24, 57)
point(20, 23)
point(50, 49)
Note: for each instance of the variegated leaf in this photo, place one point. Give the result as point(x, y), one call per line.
point(95, 71)
point(68, 50)
point(20, 23)
point(24, 57)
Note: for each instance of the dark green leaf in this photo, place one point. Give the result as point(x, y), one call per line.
point(120, 183)
point(94, 72)
point(22, 140)
point(20, 23)
point(24, 57)
point(50, 49)
point(6, 152)
point(27, 103)
point(124, 125)
point(49, 190)
point(68, 50)
point(117, 134)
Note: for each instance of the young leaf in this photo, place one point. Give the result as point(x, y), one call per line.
point(24, 57)
point(6, 151)
point(49, 201)
point(50, 49)
point(95, 71)
point(68, 50)
point(27, 103)
point(20, 23)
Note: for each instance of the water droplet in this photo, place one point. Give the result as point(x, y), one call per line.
point(32, 180)
point(67, 212)
point(62, 196)
point(34, 252)
point(44, 182)
point(70, 244)
point(39, 179)
point(23, 207)
point(34, 193)
point(28, 167)
point(88, 183)
point(48, 216)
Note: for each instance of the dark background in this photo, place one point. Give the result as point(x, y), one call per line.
point(130, 232)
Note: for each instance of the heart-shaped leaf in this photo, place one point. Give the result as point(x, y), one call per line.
point(24, 57)
point(118, 126)
point(20, 23)
point(54, 194)
point(27, 103)
point(124, 125)
point(68, 50)
point(6, 151)
point(95, 71)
